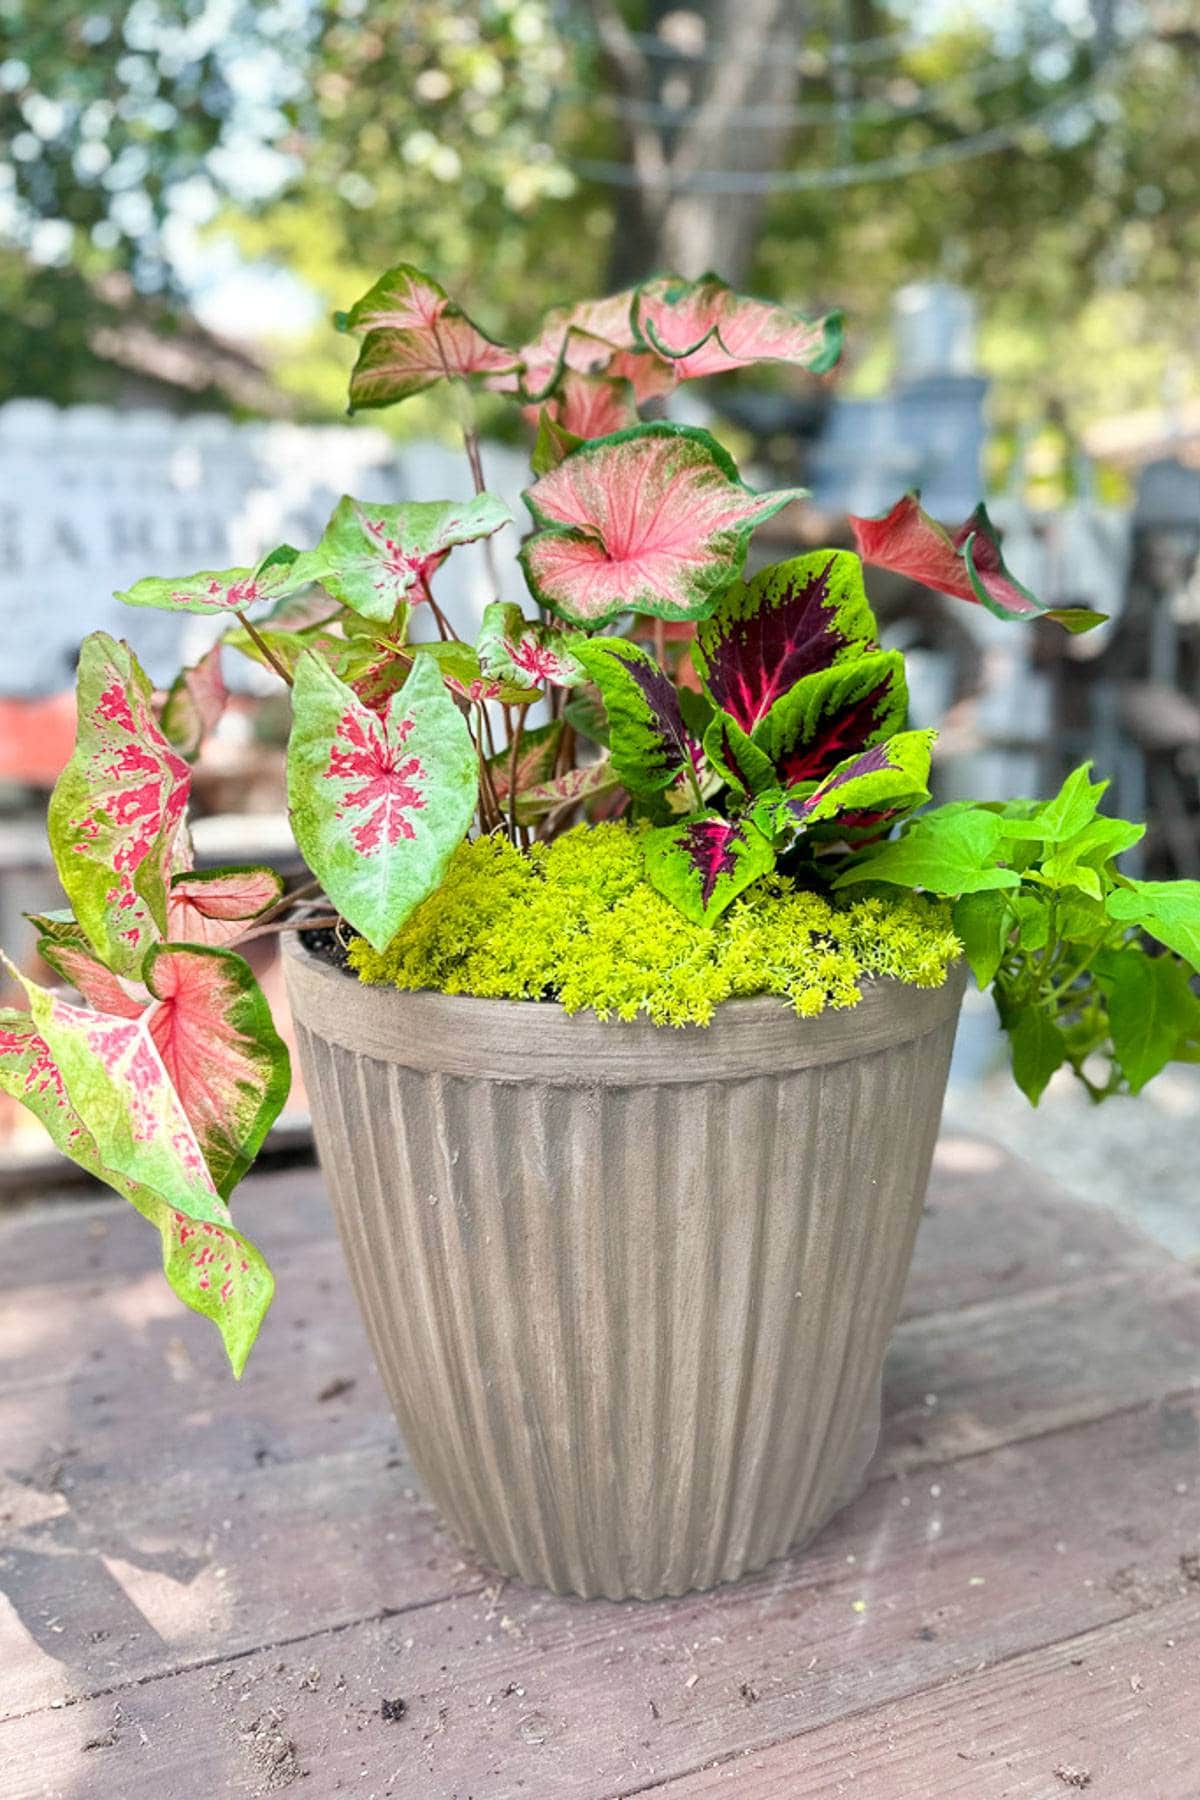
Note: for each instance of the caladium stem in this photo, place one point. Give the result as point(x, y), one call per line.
point(265, 649)
point(490, 814)
point(514, 756)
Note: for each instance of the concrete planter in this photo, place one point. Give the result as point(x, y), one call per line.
point(629, 1288)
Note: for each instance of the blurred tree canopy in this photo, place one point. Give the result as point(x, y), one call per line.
point(529, 150)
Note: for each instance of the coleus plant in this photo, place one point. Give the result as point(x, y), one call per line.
point(747, 723)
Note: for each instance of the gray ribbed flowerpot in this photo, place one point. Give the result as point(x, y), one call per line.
point(629, 1288)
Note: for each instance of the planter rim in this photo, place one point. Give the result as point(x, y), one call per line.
point(525, 1040)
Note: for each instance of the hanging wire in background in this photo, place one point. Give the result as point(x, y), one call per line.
point(842, 114)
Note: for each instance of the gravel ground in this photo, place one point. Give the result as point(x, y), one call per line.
point(1140, 1157)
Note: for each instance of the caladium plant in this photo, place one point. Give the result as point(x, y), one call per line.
point(744, 725)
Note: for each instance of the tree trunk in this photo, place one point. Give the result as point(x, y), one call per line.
point(687, 115)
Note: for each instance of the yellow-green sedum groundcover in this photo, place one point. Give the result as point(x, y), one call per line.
point(576, 921)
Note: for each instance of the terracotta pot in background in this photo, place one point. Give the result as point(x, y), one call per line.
point(629, 1288)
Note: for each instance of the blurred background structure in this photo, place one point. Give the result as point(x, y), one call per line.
point(1005, 200)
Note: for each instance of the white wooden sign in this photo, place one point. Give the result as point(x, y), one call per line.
point(92, 499)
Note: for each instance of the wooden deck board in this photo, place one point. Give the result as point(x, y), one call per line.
point(217, 1586)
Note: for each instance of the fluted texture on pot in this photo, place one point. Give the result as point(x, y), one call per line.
point(630, 1289)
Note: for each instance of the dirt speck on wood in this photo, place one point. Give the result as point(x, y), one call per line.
point(393, 1710)
point(333, 1390)
point(273, 1753)
point(1073, 1777)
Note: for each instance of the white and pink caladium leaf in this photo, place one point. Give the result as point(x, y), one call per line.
point(212, 1027)
point(704, 328)
point(99, 1086)
point(651, 520)
point(650, 745)
point(558, 796)
point(704, 862)
point(788, 621)
point(215, 907)
point(373, 558)
point(118, 808)
point(517, 650)
point(966, 563)
point(226, 590)
point(379, 801)
point(194, 703)
point(864, 792)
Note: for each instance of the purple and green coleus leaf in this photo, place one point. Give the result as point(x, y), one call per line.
point(281, 573)
point(703, 328)
point(379, 800)
point(789, 621)
point(517, 650)
point(864, 791)
point(966, 564)
point(118, 808)
point(194, 703)
point(650, 745)
point(704, 862)
point(374, 557)
point(214, 907)
point(830, 715)
point(736, 758)
point(99, 1086)
point(651, 520)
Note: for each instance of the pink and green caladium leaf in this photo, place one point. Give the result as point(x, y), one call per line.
point(551, 444)
point(517, 650)
point(865, 790)
point(404, 297)
point(194, 704)
point(536, 756)
point(703, 863)
point(652, 520)
point(117, 808)
point(213, 907)
point(66, 950)
point(966, 564)
point(374, 557)
point(832, 714)
point(212, 1027)
point(787, 622)
point(704, 328)
point(592, 406)
point(226, 590)
point(99, 1086)
point(379, 801)
point(393, 365)
point(651, 747)
point(464, 675)
point(575, 787)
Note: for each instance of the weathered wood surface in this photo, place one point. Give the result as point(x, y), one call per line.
point(213, 1587)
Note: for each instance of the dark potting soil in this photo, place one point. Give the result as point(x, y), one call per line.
point(326, 944)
